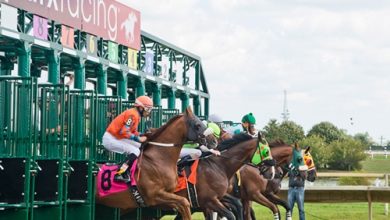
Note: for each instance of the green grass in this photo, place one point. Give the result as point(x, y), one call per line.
point(332, 211)
point(321, 211)
point(379, 164)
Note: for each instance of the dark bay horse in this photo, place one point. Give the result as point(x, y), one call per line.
point(215, 172)
point(157, 177)
point(255, 187)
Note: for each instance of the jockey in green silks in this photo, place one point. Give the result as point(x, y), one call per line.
point(248, 123)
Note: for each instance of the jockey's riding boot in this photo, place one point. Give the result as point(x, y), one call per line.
point(182, 162)
point(122, 175)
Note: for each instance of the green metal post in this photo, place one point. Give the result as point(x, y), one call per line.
point(206, 107)
point(54, 66)
point(196, 104)
point(197, 75)
point(24, 59)
point(79, 73)
point(102, 79)
point(185, 101)
point(122, 86)
point(157, 94)
point(140, 90)
point(172, 99)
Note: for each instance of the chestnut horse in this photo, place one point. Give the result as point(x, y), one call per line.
point(255, 187)
point(215, 172)
point(157, 171)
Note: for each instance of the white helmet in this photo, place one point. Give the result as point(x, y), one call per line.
point(215, 118)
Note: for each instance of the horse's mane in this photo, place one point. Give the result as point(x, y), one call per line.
point(158, 131)
point(277, 143)
point(238, 138)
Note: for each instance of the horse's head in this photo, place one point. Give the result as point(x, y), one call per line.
point(289, 158)
point(309, 162)
point(297, 164)
point(197, 131)
point(263, 158)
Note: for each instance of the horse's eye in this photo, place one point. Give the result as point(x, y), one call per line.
point(299, 160)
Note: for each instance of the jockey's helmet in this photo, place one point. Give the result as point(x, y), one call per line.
point(249, 118)
point(215, 118)
point(215, 128)
point(145, 102)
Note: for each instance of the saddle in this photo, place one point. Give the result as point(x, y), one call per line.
point(187, 180)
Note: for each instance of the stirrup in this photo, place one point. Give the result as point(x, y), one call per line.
point(124, 177)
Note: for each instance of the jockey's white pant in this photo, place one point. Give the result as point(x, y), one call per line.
point(194, 153)
point(121, 146)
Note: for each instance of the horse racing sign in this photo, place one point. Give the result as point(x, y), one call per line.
point(105, 18)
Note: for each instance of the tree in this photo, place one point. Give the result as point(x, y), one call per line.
point(271, 131)
point(288, 131)
point(327, 131)
point(346, 154)
point(319, 150)
point(365, 139)
point(291, 132)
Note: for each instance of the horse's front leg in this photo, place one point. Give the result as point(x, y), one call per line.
point(246, 209)
point(237, 205)
point(278, 201)
point(174, 201)
point(261, 199)
point(217, 206)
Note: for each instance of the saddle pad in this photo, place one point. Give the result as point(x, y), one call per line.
point(105, 181)
point(182, 180)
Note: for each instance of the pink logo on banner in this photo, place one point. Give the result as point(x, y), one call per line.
point(40, 28)
point(104, 18)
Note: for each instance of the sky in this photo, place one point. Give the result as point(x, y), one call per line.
point(331, 56)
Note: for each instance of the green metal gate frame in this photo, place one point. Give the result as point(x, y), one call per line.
point(49, 152)
point(16, 141)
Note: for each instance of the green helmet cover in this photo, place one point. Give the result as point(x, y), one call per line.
point(215, 128)
point(249, 118)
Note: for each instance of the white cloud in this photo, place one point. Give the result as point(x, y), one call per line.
point(331, 56)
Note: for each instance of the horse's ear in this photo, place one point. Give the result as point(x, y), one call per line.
point(296, 146)
point(307, 150)
point(188, 111)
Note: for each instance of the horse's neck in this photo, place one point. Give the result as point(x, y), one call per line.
point(282, 155)
point(235, 157)
point(166, 155)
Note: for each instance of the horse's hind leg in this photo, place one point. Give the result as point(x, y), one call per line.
point(261, 199)
point(238, 210)
point(176, 202)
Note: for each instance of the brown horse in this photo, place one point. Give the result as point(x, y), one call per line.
point(255, 187)
point(157, 177)
point(215, 172)
point(274, 186)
